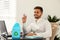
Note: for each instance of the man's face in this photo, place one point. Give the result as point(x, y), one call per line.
point(37, 13)
point(24, 18)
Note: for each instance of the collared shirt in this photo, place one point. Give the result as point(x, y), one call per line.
point(41, 27)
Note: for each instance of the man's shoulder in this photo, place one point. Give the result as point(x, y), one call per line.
point(45, 20)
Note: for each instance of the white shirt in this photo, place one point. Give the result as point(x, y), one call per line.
point(42, 28)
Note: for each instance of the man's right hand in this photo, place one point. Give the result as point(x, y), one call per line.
point(30, 34)
point(24, 18)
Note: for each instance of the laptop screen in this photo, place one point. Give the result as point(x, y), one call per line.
point(3, 27)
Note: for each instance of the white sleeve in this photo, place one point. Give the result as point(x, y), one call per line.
point(48, 32)
point(28, 28)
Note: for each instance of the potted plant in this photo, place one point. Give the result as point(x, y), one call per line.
point(53, 20)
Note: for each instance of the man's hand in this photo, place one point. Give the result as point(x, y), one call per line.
point(30, 34)
point(24, 18)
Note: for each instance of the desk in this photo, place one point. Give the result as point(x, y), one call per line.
point(9, 37)
point(28, 39)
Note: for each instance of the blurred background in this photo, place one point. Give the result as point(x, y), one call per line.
point(13, 10)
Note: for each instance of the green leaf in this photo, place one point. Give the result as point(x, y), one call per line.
point(53, 19)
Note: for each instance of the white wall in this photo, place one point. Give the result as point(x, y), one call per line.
point(51, 7)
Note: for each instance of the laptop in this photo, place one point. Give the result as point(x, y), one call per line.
point(3, 29)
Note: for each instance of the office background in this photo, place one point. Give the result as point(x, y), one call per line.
point(51, 7)
point(17, 8)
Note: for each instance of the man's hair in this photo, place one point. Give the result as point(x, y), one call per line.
point(40, 8)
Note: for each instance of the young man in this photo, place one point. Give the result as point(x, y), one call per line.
point(39, 27)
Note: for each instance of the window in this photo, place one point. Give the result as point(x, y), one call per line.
point(8, 12)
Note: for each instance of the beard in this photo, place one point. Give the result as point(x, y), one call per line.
point(37, 17)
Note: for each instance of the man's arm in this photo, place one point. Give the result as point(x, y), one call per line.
point(47, 33)
point(29, 32)
point(26, 29)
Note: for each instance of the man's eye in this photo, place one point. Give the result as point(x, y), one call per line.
point(37, 12)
